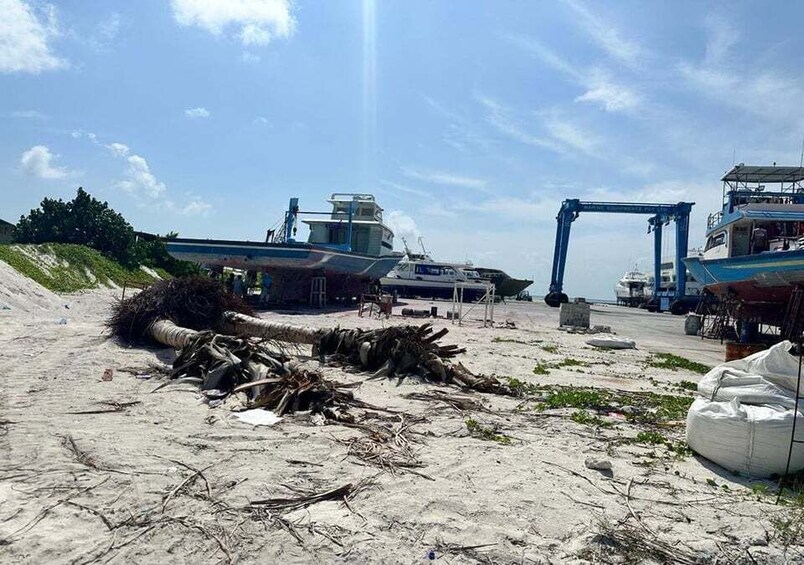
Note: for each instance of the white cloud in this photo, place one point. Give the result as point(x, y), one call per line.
point(25, 38)
point(107, 30)
point(256, 22)
point(37, 162)
point(611, 96)
point(445, 178)
point(197, 207)
point(197, 113)
point(29, 115)
point(605, 35)
point(141, 183)
point(402, 225)
point(262, 121)
point(79, 133)
point(118, 149)
point(249, 57)
point(140, 179)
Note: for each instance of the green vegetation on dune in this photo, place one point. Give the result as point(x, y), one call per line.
point(65, 267)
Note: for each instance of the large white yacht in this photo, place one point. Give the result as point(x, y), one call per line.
point(631, 289)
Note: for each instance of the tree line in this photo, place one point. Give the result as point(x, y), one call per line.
point(85, 220)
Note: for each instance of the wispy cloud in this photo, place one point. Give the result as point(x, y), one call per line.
point(255, 22)
point(38, 162)
point(752, 86)
point(444, 178)
point(26, 34)
point(600, 87)
point(461, 133)
point(605, 35)
point(29, 115)
point(502, 119)
point(404, 188)
point(573, 136)
point(194, 113)
point(612, 96)
point(547, 56)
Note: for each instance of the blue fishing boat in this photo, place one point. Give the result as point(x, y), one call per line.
point(754, 253)
point(350, 248)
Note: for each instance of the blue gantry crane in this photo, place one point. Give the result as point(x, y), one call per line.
point(661, 215)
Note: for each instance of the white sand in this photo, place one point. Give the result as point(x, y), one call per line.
point(19, 294)
point(533, 501)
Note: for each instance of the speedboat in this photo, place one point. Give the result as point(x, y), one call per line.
point(754, 253)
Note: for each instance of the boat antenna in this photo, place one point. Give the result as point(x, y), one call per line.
point(421, 243)
point(733, 156)
point(407, 249)
point(801, 162)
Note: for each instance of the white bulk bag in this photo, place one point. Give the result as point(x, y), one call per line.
point(611, 343)
point(745, 439)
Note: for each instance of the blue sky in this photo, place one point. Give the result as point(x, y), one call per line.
point(470, 121)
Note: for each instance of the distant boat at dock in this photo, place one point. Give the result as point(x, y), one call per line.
point(631, 289)
point(419, 276)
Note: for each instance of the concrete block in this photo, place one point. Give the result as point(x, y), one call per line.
point(574, 315)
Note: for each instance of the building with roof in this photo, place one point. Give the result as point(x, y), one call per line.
point(7, 230)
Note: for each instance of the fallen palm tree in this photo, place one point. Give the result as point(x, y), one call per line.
point(391, 351)
point(174, 312)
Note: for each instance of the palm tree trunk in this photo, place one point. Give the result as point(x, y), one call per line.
point(168, 333)
point(240, 324)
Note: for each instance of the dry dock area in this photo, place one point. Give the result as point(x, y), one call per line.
point(116, 471)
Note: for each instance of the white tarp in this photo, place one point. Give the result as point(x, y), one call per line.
point(743, 420)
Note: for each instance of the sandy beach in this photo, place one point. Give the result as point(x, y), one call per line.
point(112, 471)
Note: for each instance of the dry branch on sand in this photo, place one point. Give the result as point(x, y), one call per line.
point(197, 303)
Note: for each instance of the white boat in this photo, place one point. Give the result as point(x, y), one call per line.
point(668, 282)
point(631, 289)
point(418, 275)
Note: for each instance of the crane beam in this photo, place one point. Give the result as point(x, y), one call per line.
point(661, 215)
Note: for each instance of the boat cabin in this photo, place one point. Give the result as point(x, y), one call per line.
point(756, 220)
point(433, 272)
point(354, 224)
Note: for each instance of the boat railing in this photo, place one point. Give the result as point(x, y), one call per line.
point(347, 196)
point(714, 219)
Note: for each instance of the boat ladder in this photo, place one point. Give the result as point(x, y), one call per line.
point(318, 292)
point(792, 322)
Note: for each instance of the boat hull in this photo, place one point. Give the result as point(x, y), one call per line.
point(281, 256)
point(763, 283)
